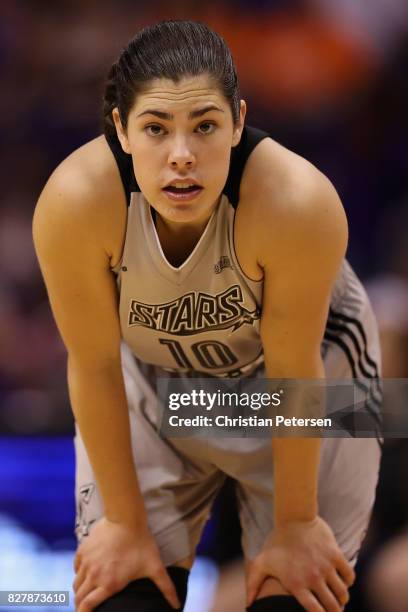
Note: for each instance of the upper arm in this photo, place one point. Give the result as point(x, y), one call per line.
point(70, 230)
point(302, 241)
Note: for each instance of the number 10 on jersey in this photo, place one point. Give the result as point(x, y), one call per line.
point(210, 354)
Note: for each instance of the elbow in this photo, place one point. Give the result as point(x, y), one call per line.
point(93, 364)
point(296, 365)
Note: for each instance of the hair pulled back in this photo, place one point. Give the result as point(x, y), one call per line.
point(171, 50)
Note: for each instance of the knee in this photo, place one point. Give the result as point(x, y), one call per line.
point(143, 595)
point(274, 598)
point(276, 603)
point(187, 563)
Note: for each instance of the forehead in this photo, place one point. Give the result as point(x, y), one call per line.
point(189, 92)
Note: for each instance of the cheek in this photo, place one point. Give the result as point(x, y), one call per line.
point(147, 165)
point(218, 164)
point(217, 157)
point(143, 153)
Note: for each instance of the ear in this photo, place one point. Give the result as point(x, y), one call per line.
point(120, 131)
point(239, 126)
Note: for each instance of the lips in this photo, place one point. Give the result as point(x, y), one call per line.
point(182, 183)
point(182, 189)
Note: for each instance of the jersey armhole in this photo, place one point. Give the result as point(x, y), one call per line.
point(239, 156)
point(125, 166)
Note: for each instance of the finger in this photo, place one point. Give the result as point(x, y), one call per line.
point(346, 571)
point(338, 587)
point(165, 584)
point(92, 601)
point(327, 598)
point(79, 578)
point(86, 587)
point(308, 601)
point(255, 578)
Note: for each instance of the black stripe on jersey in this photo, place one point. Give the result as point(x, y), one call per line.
point(330, 337)
point(359, 343)
point(373, 404)
point(359, 326)
point(333, 326)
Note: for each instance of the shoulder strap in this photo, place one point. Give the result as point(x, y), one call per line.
point(124, 162)
point(239, 156)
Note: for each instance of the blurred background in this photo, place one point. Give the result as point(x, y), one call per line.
point(326, 78)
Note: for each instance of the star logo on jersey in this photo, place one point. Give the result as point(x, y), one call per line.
point(86, 491)
point(83, 521)
point(195, 312)
point(224, 262)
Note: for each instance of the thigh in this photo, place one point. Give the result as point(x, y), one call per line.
point(177, 496)
point(177, 483)
point(349, 467)
point(346, 491)
point(348, 476)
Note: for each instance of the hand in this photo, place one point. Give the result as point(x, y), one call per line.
point(112, 556)
point(306, 559)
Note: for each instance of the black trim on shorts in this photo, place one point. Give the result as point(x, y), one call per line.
point(239, 156)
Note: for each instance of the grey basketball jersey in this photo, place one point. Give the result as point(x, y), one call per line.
point(204, 316)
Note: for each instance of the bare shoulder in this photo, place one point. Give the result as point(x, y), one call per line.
point(286, 203)
point(84, 197)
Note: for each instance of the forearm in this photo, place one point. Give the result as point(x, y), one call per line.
point(296, 459)
point(100, 408)
point(296, 466)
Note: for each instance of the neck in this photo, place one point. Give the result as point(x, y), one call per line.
point(179, 239)
point(181, 231)
point(187, 228)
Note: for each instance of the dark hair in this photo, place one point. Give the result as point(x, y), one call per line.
point(172, 50)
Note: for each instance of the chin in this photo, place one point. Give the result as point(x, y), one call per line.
point(181, 213)
point(185, 212)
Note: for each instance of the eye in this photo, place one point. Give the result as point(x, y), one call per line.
point(207, 127)
point(154, 130)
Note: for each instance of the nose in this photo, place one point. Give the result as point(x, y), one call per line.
point(181, 156)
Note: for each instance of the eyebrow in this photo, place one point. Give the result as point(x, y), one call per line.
point(192, 115)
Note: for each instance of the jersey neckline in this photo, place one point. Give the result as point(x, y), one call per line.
point(174, 274)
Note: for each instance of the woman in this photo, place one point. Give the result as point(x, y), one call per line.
point(131, 231)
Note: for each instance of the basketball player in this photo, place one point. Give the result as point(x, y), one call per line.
point(181, 203)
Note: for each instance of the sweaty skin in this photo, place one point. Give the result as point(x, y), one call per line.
point(290, 230)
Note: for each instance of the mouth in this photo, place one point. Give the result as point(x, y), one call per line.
point(182, 190)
